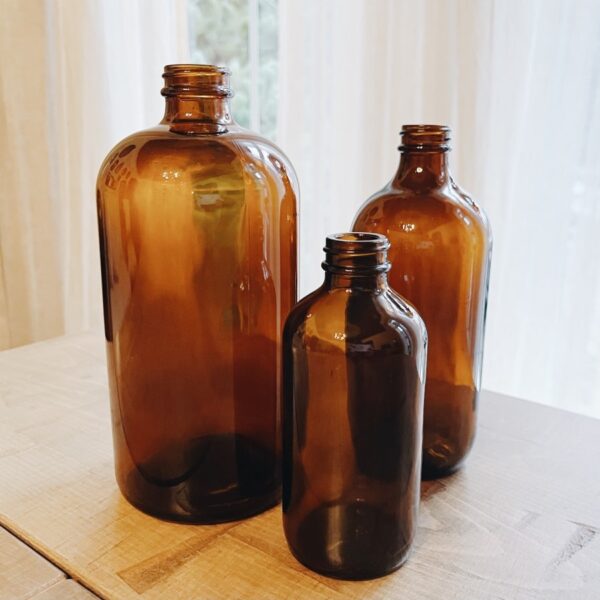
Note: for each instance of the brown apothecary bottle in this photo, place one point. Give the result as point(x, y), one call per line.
point(354, 369)
point(440, 253)
point(197, 221)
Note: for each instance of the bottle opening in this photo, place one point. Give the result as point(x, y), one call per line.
point(356, 254)
point(196, 80)
point(353, 243)
point(425, 138)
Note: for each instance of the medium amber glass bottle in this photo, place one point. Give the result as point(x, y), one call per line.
point(440, 254)
point(197, 223)
point(354, 368)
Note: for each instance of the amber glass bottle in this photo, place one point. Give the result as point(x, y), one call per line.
point(440, 254)
point(354, 367)
point(197, 223)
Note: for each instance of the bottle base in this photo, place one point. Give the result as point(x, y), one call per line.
point(429, 473)
point(353, 541)
point(348, 576)
point(212, 515)
point(224, 477)
point(448, 427)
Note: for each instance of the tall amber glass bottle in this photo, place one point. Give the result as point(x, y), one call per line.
point(440, 254)
point(354, 369)
point(197, 222)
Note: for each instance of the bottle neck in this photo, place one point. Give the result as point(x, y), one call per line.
point(424, 157)
point(189, 111)
point(374, 282)
point(197, 99)
point(422, 170)
point(356, 261)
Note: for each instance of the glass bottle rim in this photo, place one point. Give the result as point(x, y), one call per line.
point(356, 242)
point(193, 68)
point(196, 80)
point(425, 138)
point(356, 254)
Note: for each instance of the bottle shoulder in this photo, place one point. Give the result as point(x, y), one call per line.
point(303, 310)
point(236, 137)
point(377, 319)
point(405, 315)
point(159, 150)
point(397, 209)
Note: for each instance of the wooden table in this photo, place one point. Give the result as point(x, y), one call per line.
point(522, 520)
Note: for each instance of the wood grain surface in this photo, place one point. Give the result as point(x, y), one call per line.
point(66, 590)
point(24, 574)
point(521, 521)
point(17, 560)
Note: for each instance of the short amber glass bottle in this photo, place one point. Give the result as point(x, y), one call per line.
point(440, 254)
point(197, 223)
point(354, 368)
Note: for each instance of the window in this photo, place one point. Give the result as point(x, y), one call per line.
point(241, 35)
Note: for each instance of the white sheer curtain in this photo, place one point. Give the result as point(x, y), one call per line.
point(519, 83)
point(75, 77)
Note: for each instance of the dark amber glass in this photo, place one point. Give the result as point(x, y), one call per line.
point(198, 251)
point(440, 254)
point(354, 367)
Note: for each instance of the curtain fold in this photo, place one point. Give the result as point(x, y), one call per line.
point(75, 77)
point(519, 83)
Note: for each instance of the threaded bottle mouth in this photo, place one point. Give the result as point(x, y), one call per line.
point(425, 138)
point(356, 253)
point(196, 80)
